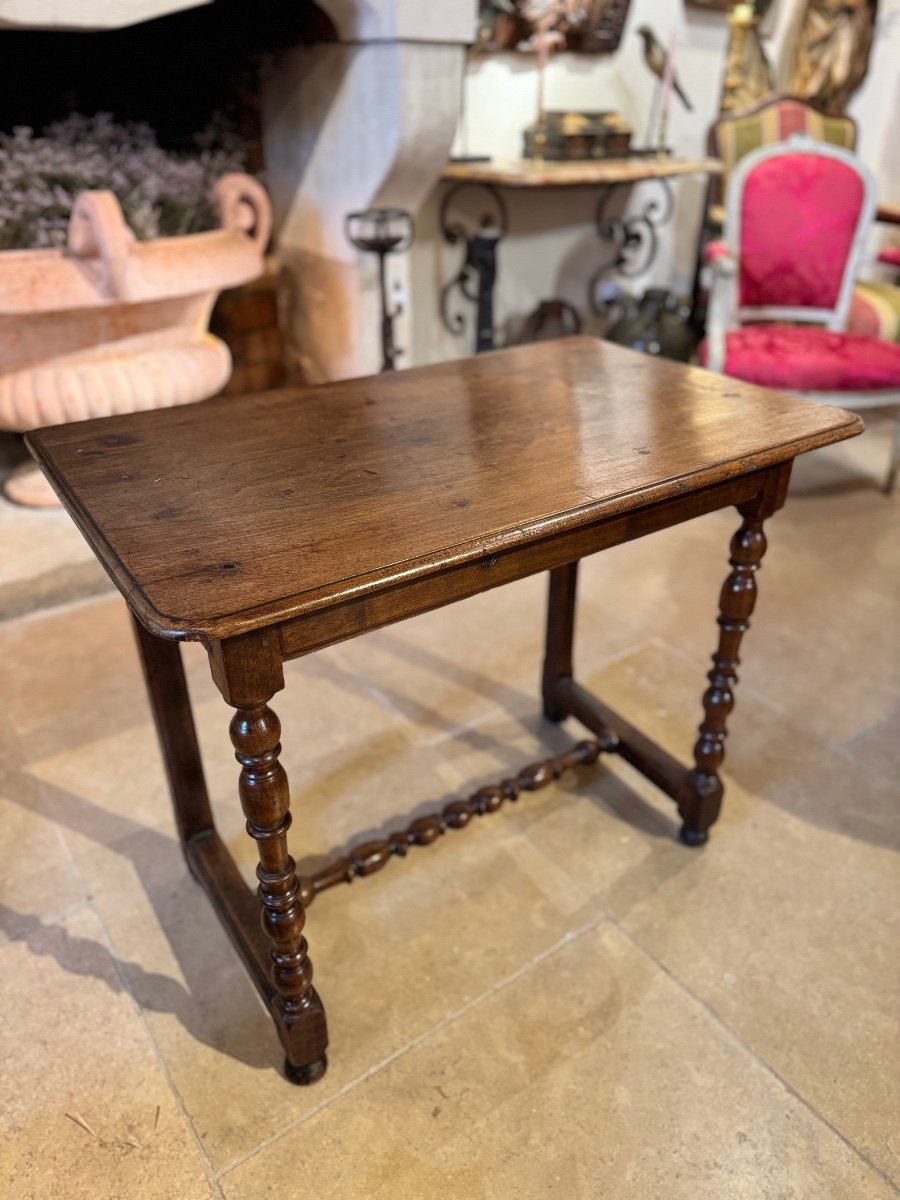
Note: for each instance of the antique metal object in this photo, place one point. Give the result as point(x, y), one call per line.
point(477, 275)
point(657, 323)
point(576, 136)
point(383, 231)
point(634, 237)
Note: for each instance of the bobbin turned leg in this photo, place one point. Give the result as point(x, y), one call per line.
point(263, 785)
point(248, 672)
point(699, 797)
point(560, 635)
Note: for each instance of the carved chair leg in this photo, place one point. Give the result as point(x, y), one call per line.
point(296, 1008)
point(560, 635)
point(700, 795)
point(171, 706)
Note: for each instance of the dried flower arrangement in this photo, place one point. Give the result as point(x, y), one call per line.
point(162, 194)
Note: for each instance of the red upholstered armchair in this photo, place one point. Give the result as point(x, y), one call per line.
point(796, 217)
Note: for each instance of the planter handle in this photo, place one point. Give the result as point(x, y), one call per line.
point(97, 229)
point(245, 207)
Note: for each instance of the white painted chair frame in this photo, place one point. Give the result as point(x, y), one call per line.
point(725, 313)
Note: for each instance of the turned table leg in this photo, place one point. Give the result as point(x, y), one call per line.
point(298, 1013)
point(700, 796)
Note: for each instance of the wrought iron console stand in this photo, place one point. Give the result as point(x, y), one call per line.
point(632, 237)
point(477, 274)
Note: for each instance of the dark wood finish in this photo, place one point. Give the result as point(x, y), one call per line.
point(635, 747)
point(369, 857)
point(241, 513)
point(327, 626)
point(265, 800)
point(270, 526)
point(560, 637)
point(700, 795)
point(174, 720)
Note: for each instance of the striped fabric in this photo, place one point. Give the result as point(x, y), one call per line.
point(733, 137)
point(875, 311)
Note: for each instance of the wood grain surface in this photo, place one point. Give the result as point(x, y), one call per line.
point(223, 517)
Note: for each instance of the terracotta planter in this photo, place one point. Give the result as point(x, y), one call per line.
point(113, 325)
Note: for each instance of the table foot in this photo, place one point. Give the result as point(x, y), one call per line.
point(693, 837)
point(305, 1075)
point(304, 1036)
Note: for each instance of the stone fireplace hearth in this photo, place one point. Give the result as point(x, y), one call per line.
point(354, 102)
point(357, 102)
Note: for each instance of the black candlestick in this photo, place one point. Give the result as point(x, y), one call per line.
point(383, 231)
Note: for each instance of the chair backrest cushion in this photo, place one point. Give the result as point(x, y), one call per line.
point(799, 215)
point(775, 121)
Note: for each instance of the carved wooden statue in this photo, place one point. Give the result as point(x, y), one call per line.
point(831, 55)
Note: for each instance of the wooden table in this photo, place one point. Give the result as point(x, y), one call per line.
point(634, 237)
point(270, 526)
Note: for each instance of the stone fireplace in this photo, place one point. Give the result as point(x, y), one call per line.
point(354, 103)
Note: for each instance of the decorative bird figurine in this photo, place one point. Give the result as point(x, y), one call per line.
point(655, 57)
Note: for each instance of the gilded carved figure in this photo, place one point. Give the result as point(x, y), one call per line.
point(831, 55)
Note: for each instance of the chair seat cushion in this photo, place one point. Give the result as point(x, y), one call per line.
point(805, 359)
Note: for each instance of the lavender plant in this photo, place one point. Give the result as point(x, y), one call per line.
point(162, 194)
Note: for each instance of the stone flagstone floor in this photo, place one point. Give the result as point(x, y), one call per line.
point(560, 1000)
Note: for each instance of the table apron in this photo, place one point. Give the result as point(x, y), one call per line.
point(326, 626)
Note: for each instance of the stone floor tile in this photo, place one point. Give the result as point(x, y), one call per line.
point(37, 876)
point(46, 561)
point(878, 747)
point(394, 955)
point(591, 1074)
point(85, 1110)
point(77, 676)
point(786, 923)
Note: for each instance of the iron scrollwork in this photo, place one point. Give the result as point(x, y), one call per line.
point(477, 275)
point(633, 236)
point(383, 231)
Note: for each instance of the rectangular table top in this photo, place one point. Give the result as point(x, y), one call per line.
point(230, 515)
point(531, 173)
